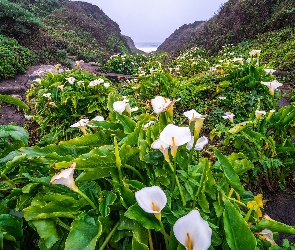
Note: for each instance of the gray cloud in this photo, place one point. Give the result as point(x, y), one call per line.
point(155, 20)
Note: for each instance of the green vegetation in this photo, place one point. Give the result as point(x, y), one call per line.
point(130, 165)
point(14, 57)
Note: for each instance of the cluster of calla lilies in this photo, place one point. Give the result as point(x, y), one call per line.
point(191, 230)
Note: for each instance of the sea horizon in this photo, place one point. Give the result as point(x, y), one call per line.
point(147, 46)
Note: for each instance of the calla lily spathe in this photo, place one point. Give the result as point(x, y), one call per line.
point(163, 147)
point(71, 80)
point(272, 86)
point(175, 136)
point(65, 177)
point(201, 142)
point(192, 115)
point(161, 104)
point(259, 113)
point(193, 231)
point(121, 106)
point(82, 124)
point(229, 116)
point(151, 200)
point(198, 120)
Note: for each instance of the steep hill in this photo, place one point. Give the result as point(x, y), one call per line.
point(79, 29)
point(181, 36)
point(236, 21)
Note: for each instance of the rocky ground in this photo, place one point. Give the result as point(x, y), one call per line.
point(279, 205)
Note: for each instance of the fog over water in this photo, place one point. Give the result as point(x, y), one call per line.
point(155, 20)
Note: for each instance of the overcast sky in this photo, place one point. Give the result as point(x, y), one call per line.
point(155, 20)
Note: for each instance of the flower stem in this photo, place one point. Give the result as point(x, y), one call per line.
point(164, 233)
point(135, 171)
point(173, 168)
point(62, 224)
point(106, 241)
point(118, 161)
point(86, 198)
point(175, 178)
point(150, 240)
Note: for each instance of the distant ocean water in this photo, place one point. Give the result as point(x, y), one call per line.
point(147, 46)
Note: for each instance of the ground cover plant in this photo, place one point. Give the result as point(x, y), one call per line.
point(132, 166)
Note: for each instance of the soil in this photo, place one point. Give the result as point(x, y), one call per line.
point(279, 205)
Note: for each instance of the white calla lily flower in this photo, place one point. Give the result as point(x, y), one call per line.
point(255, 52)
point(161, 104)
point(65, 177)
point(200, 144)
point(151, 200)
point(71, 80)
point(163, 147)
point(259, 113)
point(192, 115)
point(269, 71)
point(193, 231)
point(82, 124)
point(47, 95)
point(98, 118)
point(229, 116)
point(272, 86)
point(175, 136)
point(121, 106)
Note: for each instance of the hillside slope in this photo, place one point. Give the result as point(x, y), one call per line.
point(181, 36)
point(236, 20)
point(74, 28)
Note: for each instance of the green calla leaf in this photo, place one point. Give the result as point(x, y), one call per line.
point(273, 226)
point(229, 171)
point(109, 199)
point(11, 226)
point(238, 234)
point(128, 124)
point(85, 231)
point(147, 220)
point(47, 231)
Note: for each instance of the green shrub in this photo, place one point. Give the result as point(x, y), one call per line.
point(16, 21)
point(14, 58)
point(58, 103)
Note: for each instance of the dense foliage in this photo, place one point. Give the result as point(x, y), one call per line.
point(16, 21)
point(14, 57)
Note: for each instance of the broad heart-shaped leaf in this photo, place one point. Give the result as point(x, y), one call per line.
point(238, 234)
point(97, 139)
point(136, 245)
point(11, 226)
point(47, 231)
point(229, 171)
point(132, 138)
point(128, 124)
point(273, 226)
point(109, 199)
point(15, 101)
point(52, 209)
point(15, 132)
point(93, 174)
point(85, 231)
point(145, 219)
point(102, 157)
point(139, 232)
